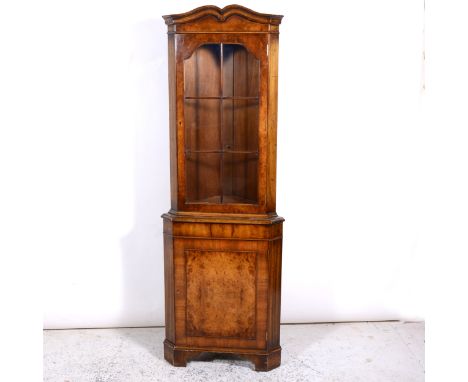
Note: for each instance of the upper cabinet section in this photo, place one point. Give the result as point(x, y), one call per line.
point(223, 81)
point(230, 19)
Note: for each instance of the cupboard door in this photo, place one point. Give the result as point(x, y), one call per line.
point(220, 284)
point(221, 292)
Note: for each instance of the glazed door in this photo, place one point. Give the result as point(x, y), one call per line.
point(222, 125)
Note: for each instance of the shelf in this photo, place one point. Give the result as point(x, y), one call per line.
point(227, 199)
point(222, 98)
point(220, 152)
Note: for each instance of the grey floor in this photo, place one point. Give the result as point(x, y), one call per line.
point(367, 351)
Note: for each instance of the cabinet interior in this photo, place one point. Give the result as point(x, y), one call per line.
point(221, 115)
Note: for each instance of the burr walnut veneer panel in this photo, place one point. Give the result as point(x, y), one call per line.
point(219, 285)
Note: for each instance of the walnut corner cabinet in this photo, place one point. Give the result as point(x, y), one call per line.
point(222, 236)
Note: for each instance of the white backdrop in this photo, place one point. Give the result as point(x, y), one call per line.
point(349, 177)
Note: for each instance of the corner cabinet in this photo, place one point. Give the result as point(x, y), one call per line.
point(222, 236)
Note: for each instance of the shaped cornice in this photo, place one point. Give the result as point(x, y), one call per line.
point(222, 14)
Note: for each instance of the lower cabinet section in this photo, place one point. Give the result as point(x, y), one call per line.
point(223, 295)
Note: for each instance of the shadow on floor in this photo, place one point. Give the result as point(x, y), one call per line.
point(294, 348)
point(150, 339)
point(229, 359)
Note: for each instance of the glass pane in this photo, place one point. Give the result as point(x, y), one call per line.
point(202, 124)
point(240, 178)
point(203, 177)
point(241, 72)
point(240, 125)
point(202, 72)
point(221, 114)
